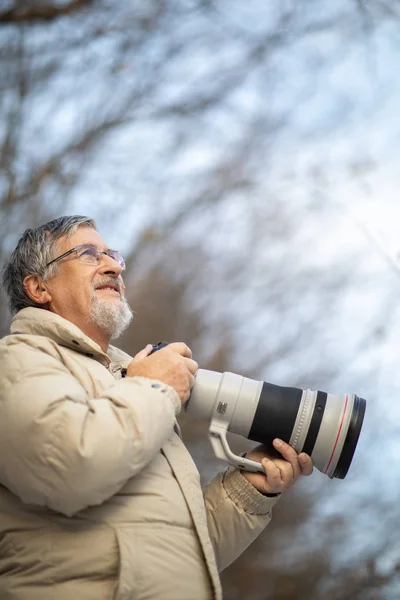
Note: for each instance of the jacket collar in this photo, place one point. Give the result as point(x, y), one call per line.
point(39, 321)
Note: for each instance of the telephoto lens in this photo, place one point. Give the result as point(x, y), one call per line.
point(325, 426)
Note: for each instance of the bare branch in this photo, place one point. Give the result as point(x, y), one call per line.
point(46, 12)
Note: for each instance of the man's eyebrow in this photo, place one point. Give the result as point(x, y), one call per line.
point(95, 245)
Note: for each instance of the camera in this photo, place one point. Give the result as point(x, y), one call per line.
point(325, 426)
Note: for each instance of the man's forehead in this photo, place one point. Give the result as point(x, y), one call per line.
point(83, 235)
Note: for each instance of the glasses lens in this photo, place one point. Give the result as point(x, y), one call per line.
point(89, 254)
point(115, 255)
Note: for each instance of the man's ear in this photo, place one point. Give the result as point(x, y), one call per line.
point(36, 289)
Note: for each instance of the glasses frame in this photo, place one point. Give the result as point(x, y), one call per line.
point(106, 252)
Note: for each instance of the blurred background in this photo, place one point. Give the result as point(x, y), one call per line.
point(244, 155)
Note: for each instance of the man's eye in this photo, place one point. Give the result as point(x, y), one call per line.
point(92, 252)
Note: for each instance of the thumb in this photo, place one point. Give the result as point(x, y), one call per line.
point(147, 350)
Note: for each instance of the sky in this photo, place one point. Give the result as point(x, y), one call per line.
point(305, 263)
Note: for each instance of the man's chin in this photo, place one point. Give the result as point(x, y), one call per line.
point(111, 314)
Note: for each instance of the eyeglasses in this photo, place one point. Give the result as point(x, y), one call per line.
point(91, 254)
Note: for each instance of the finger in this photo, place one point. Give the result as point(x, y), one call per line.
point(273, 474)
point(147, 350)
point(306, 464)
point(185, 397)
point(191, 365)
point(288, 454)
point(190, 384)
point(191, 381)
point(181, 348)
point(288, 475)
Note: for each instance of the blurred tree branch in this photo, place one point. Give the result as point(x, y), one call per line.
point(374, 10)
point(34, 11)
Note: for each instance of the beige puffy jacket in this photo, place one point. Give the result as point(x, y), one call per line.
point(99, 498)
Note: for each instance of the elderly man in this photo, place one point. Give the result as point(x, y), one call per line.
point(99, 498)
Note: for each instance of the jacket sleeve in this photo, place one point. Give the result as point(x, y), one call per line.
point(62, 449)
point(236, 514)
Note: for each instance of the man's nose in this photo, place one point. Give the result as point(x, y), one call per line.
point(109, 266)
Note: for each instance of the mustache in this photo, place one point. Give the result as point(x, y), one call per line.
point(104, 281)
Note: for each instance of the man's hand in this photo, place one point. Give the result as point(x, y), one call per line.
point(280, 473)
point(173, 365)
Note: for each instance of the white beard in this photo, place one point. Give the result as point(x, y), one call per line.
point(111, 317)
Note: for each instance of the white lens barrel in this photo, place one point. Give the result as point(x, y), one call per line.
point(332, 432)
point(246, 406)
point(204, 393)
point(326, 426)
point(235, 396)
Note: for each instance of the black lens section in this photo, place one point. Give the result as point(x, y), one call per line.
point(353, 433)
point(316, 420)
point(276, 413)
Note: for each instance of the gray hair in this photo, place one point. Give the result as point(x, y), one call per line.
point(36, 248)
